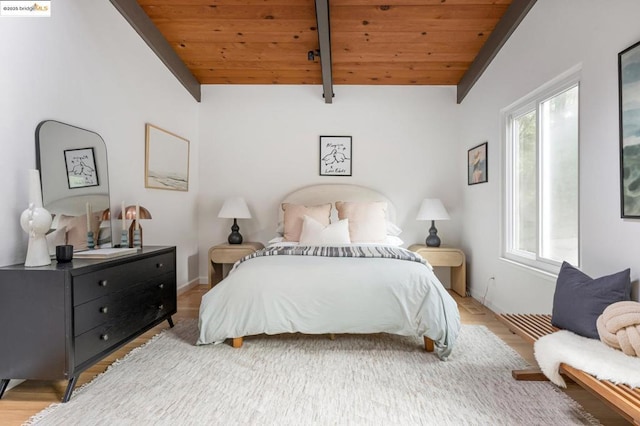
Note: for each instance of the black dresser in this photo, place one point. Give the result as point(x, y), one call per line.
point(58, 320)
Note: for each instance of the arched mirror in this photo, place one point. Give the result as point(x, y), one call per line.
point(75, 182)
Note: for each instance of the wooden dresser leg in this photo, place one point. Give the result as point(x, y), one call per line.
point(428, 344)
point(237, 342)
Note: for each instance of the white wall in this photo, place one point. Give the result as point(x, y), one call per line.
point(262, 142)
point(86, 66)
point(555, 36)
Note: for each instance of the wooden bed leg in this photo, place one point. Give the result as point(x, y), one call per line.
point(428, 344)
point(332, 336)
point(237, 342)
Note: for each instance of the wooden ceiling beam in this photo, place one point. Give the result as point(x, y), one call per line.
point(143, 25)
point(324, 41)
point(499, 36)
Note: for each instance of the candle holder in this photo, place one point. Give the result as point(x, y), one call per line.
point(130, 213)
point(124, 238)
point(137, 238)
point(90, 242)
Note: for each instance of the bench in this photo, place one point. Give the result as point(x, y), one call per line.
point(622, 398)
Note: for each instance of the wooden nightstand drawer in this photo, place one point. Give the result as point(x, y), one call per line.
point(443, 257)
point(225, 255)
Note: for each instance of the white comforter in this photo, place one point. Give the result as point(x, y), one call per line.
point(316, 295)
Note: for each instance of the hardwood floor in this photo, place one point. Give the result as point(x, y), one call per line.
point(30, 397)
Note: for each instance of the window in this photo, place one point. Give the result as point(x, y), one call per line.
point(541, 170)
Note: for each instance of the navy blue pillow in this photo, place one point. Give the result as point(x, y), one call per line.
point(579, 299)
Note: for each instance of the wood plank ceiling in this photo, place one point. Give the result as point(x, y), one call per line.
point(390, 42)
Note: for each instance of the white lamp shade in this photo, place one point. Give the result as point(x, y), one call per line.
point(235, 208)
point(432, 209)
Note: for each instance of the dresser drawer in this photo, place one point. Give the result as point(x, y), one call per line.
point(116, 306)
point(117, 331)
point(109, 280)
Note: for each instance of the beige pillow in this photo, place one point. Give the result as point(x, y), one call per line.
point(367, 220)
point(294, 214)
point(77, 229)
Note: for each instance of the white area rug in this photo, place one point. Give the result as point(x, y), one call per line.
point(589, 355)
point(311, 380)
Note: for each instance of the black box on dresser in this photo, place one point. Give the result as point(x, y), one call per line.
point(60, 319)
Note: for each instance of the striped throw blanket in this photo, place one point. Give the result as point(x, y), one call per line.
point(385, 252)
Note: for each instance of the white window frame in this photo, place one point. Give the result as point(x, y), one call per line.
point(532, 101)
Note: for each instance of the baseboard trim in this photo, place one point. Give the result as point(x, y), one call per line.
point(188, 286)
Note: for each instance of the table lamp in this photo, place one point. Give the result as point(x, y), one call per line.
point(131, 212)
point(432, 209)
point(235, 208)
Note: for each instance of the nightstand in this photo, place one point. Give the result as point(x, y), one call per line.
point(223, 256)
point(447, 256)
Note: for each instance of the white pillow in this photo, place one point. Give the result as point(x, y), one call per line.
point(315, 233)
point(393, 229)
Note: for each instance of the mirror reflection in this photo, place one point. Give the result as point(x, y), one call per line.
point(75, 183)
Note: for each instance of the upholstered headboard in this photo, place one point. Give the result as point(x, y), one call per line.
point(330, 193)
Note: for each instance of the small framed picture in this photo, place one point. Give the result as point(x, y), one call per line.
point(477, 164)
point(335, 156)
point(81, 168)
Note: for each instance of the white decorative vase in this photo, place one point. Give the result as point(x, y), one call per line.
point(36, 221)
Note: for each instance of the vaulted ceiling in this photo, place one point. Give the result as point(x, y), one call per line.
point(366, 42)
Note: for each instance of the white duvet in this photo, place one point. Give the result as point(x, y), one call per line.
point(316, 295)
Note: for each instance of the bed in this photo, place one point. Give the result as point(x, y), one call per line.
point(315, 282)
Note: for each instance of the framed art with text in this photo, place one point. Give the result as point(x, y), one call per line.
point(629, 105)
point(335, 156)
point(81, 168)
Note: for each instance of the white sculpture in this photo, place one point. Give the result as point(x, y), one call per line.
point(36, 221)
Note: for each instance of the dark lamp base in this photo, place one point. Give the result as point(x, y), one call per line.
point(433, 240)
point(235, 237)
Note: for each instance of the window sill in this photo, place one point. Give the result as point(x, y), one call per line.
point(546, 275)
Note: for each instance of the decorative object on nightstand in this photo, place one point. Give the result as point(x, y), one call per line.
point(446, 256)
point(235, 208)
point(135, 213)
point(432, 209)
point(36, 221)
point(222, 256)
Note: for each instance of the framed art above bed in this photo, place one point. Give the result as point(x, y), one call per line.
point(335, 155)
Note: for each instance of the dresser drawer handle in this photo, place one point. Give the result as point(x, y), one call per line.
point(102, 283)
point(104, 310)
point(160, 265)
point(161, 286)
point(160, 307)
point(104, 337)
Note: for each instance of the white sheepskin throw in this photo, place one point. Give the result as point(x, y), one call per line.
point(589, 355)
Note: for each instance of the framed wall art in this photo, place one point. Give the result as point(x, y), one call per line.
point(167, 160)
point(477, 171)
point(629, 104)
point(81, 168)
point(335, 156)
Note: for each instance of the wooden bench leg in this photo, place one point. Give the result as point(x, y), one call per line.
point(237, 342)
point(428, 344)
point(529, 375)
